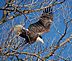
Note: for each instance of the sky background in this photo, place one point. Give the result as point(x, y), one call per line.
point(60, 11)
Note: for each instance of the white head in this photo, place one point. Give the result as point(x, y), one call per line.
point(39, 39)
point(18, 29)
point(18, 26)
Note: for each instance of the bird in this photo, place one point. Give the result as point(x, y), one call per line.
point(35, 30)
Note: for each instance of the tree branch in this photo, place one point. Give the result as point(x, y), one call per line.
point(27, 11)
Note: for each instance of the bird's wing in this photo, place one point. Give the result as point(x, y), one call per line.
point(43, 25)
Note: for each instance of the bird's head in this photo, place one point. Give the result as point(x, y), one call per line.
point(18, 29)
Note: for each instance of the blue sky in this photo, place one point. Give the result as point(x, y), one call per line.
point(58, 25)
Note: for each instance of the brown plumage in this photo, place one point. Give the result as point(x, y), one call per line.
point(35, 30)
point(44, 23)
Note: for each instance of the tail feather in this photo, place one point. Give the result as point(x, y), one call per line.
point(40, 39)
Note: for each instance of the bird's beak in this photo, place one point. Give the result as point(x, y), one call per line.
point(39, 39)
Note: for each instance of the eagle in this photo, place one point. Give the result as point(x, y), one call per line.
point(35, 30)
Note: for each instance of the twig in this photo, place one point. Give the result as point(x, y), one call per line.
point(56, 47)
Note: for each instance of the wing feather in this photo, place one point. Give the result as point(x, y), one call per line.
point(43, 25)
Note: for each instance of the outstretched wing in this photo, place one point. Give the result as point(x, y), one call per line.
point(43, 25)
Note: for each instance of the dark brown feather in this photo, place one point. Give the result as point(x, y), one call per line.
point(38, 28)
point(44, 23)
